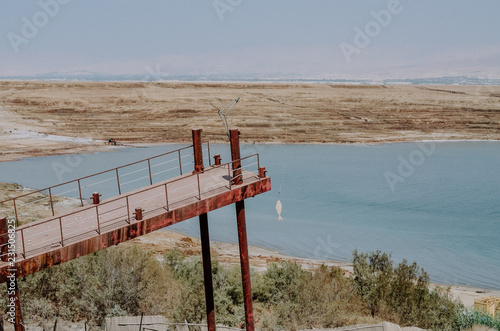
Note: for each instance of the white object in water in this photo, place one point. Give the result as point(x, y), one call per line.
point(279, 207)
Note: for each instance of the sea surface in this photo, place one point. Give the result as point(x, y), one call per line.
point(434, 203)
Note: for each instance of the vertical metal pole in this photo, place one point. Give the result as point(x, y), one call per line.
point(60, 227)
point(166, 195)
point(245, 264)
point(97, 215)
point(150, 177)
point(51, 204)
point(80, 191)
point(205, 240)
point(15, 211)
point(140, 324)
point(207, 272)
point(24, 246)
point(242, 232)
point(197, 150)
point(118, 182)
point(180, 161)
point(209, 159)
point(128, 210)
point(199, 188)
point(235, 155)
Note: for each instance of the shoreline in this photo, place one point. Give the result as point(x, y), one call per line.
point(50, 147)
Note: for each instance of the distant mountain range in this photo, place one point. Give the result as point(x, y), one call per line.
point(83, 75)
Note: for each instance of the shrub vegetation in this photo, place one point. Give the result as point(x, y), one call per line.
point(130, 281)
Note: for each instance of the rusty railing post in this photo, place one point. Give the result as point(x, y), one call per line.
point(95, 198)
point(262, 172)
point(150, 177)
point(217, 160)
point(242, 232)
point(15, 211)
point(118, 182)
point(60, 227)
point(128, 210)
point(24, 246)
point(235, 156)
point(138, 214)
point(80, 191)
point(208, 151)
point(199, 186)
point(51, 204)
point(180, 161)
point(166, 195)
point(97, 217)
point(205, 241)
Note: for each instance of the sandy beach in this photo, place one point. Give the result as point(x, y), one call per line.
point(46, 118)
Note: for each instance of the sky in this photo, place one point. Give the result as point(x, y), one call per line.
point(306, 38)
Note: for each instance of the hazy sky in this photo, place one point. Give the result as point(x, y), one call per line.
point(317, 38)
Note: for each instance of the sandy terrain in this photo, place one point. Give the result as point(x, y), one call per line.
point(165, 112)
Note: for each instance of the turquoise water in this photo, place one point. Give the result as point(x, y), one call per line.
point(434, 203)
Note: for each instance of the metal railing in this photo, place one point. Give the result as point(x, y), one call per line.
point(21, 210)
point(115, 211)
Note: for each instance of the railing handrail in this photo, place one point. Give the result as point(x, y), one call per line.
point(126, 195)
point(96, 174)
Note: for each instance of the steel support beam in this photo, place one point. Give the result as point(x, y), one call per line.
point(205, 239)
point(242, 231)
point(235, 156)
point(207, 272)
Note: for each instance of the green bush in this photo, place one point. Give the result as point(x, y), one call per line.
point(130, 281)
point(465, 319)
point(401, 294)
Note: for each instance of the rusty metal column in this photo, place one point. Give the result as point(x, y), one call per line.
point(242, 232)
point(235, 156)
point(205, 240)
point(197, 151)
point(14, 312)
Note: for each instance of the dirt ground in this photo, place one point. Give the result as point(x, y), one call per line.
point(40, 118)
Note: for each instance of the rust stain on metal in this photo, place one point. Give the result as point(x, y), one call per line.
point(235, 155)
point(95, 198)
point(245, 264)
point(217, 160)
point(197, 151)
